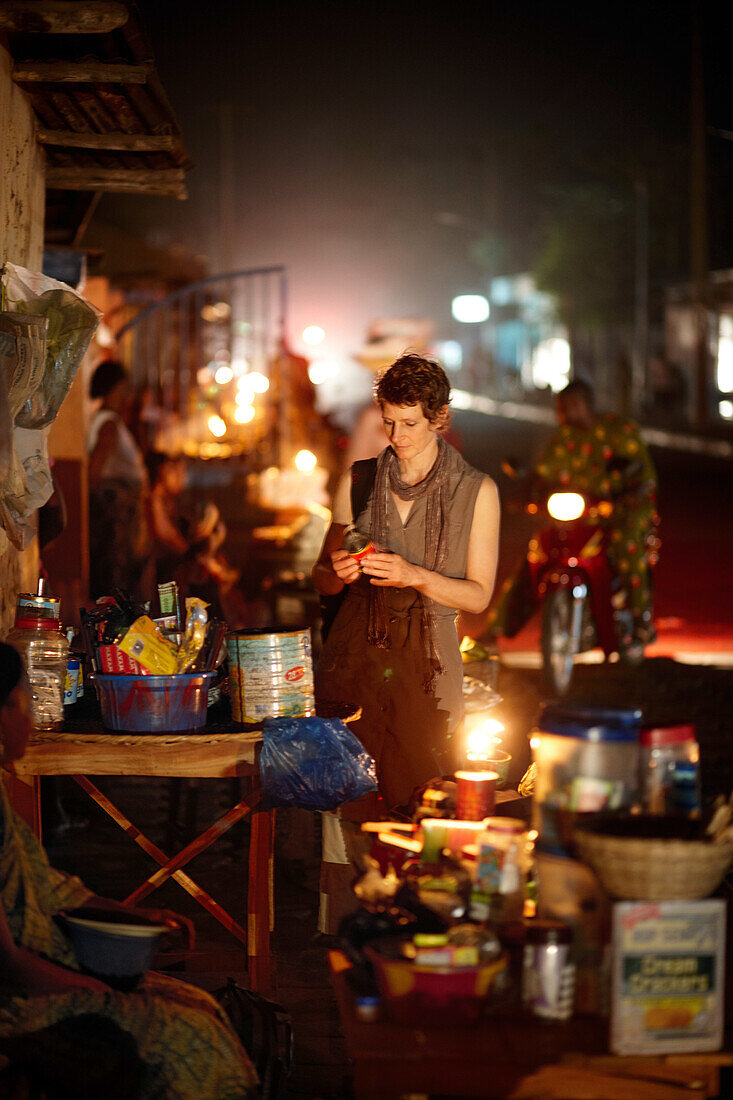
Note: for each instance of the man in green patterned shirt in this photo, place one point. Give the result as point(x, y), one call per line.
point(602, 455)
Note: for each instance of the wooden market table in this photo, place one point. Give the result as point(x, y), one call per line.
point(225, 750)
point(507, 1056)
point(215, 753)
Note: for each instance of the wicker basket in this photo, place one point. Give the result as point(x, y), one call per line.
point(655, 870)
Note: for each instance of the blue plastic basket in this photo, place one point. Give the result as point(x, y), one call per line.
point(153, 704)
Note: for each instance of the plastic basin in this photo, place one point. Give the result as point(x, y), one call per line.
point(117, 951)
point(153, 704)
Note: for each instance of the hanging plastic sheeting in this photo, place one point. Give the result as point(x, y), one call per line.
point(45, 330)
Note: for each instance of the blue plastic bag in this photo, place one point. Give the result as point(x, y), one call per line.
point(314, 763)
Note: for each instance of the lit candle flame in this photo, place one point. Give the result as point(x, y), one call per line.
point(484, 739)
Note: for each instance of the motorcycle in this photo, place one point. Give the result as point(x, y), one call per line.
point(570, 574)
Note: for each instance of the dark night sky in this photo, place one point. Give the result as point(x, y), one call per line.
point(356, 127)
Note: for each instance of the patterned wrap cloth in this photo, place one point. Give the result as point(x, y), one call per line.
point(184, 1041)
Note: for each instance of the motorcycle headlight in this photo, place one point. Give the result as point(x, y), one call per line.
point(566, 506)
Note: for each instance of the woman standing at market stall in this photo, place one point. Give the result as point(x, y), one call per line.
point(393, 646)
point(119, 543)
point(72, 1034)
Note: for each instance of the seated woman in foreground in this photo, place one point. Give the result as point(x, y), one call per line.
point(164, 1041)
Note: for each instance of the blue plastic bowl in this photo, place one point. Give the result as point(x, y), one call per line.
point(153, 704)
point(116, 952)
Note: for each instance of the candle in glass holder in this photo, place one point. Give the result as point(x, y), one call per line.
point(476, 794)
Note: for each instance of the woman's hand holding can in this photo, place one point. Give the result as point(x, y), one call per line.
point(345, 567)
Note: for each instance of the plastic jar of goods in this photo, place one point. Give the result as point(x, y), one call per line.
point(586, 760)
point(548, 972)
point(500, 871)
point(45, 652)
point(669, 759)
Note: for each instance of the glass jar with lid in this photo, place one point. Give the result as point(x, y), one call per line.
point(587, 760)
point(500, 871)
point(45, 652)
point(668, 770)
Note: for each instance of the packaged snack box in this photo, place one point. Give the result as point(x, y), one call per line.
point(668, 977)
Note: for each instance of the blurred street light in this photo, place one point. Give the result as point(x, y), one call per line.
point(313, 334)
point(470, 309)
point(217, 426)
point(305, 461)
point(258, 382)
point(224, 374)
point(320, 370)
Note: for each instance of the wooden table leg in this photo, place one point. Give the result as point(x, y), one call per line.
point(160, 857)
point(260, 907)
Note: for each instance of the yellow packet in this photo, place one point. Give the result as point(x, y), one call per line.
point(193, 639)
point(472, 650)
point(144, 641)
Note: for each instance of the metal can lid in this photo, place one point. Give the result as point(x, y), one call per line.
point(547, 932)
point(590, 723)
point(657, 736)
point(355, 541)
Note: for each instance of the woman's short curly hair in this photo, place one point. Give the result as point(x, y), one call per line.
point(411, 380)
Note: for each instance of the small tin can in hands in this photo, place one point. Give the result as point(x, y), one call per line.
point(357, 544)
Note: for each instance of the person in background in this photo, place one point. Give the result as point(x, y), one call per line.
point(206, 572)
point(71, 1032)
point(167, 475)
point(118, 481)
point(393, 646)
point(605, 456)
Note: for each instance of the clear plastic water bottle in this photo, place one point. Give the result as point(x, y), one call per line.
point(45, 652)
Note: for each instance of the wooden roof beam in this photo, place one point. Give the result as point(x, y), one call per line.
point(62, 16)
point(79, 72)
point(151, 181)
point(134, 143)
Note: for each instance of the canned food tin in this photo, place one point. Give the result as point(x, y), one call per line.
point(71, 683)
point(270, 675)
point(548, 974)
point(357, 544)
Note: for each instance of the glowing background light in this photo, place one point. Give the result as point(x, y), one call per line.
point(450, 354)
point(313, 334)
point(217, 426)
point(224, 374)
point(725, 357)
point(483, 739)
point(725, 408)
point(243, 414)
point(470, 308)
point(566, 506)
point(305, 461)
point(551, 364)
point(243, 397)
point(320, 371)
point(258, 382)
point(217, 311)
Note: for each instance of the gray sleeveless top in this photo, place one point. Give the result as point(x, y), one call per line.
point(408, 541)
